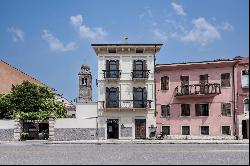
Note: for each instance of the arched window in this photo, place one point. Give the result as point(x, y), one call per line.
point(246, 105)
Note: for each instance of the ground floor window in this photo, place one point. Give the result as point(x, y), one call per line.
point(204, 130)
point(185, 130)
point(226, 130)
point(165, 130)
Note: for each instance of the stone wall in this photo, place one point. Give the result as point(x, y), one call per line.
point(69, 134)
point(126, 132)
point(6, 134)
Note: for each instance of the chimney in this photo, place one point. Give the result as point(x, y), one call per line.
point(125, 40)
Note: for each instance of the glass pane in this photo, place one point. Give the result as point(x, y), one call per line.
point(245, 80)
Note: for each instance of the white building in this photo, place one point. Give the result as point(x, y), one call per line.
point(126, 90)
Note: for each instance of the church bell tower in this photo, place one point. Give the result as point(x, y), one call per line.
point(85, 84)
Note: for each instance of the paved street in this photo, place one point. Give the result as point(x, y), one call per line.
point(24, 153)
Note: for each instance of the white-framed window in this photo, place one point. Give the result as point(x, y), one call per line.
point(185, 130)
point(225, 80)
point(165, 110)
point(245, 78)
point(225, 130)
point(246, 106)
point(204, 130)
point(226, 109)
point(165, 130)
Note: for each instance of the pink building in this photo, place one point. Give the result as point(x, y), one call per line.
point(196, 100)
point(242, 97)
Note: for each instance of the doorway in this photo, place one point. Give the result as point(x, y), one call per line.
point(244, 129)
point(140, 128)
point(113, 129)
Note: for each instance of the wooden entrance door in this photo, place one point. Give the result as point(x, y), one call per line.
point(140, 128)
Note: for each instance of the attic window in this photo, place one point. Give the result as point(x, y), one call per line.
point(112, 50)
point(139, 50)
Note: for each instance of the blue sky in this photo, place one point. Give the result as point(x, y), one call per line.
point(50, 39)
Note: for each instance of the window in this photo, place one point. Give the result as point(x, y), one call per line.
point(164, 83)
point(204, 130)
point(246, 106)
point(112, 97)
point(225, 80)
point(139, 97)
point(203, 84)
point(84, 81)
point(201, 109)
point(226, 109)
point(184, 84)
point(139, 50)
point(112, 69)
point(245, 78)
point(139, 69)
point(165, 130)
point(165, 110)
point(112, 50)
point(185, 130)
point(226, 130)
point(185, 109)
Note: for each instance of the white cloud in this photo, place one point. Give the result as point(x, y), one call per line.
point(85, 31)
point(161, 36)
point(178, 9)
point(17, 34)
point(55, 44)
point(203, 32)
point(227, 27)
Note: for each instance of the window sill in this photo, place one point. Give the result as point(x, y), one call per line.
point(185, 116)
point(165, 117)
point(226, 87)
point(245, 87)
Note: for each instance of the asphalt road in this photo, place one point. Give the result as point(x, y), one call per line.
point(110, 154)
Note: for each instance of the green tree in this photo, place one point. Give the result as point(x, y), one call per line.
point(28, 101)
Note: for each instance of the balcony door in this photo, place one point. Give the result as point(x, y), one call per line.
point(112, 97)
point(204, 87)
point(184, 84)
point(112, 69)
point(139, 97)
point(139, 68)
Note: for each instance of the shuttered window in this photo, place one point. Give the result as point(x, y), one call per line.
point(185, 109)
point(225, 80)
point(165, 83)
point(165, 110)
point(226, 109)
point(201, 110)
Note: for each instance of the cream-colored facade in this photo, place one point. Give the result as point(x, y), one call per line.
point(133, 119)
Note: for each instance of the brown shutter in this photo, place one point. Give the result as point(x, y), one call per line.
point(145, 96)
point(107, 96)
point(167, 83)
point(134, 62)
point(144, 67)
point(117, 68)
point(107, 69)
point(197, 109)
point(162, 83)
point(228, 109)
point(117, 96)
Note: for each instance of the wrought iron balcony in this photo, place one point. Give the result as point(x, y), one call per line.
point(111, 74)
point(196, 90)
point(126, 104)
point(140, 74)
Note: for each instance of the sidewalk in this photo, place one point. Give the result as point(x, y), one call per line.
point(30, 142)
point(246, 141)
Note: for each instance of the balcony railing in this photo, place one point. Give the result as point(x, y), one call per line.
point(140, 74)
point(112, 74)
point(198, 90)
point(126, 104)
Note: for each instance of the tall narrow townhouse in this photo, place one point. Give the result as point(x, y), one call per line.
point(126, 90)
point(242, 96)
point(195, 100)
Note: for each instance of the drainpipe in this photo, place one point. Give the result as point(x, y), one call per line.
point(234, 114)
point(155, 80)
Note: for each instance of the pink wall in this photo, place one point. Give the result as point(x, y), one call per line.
point(164, 97)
